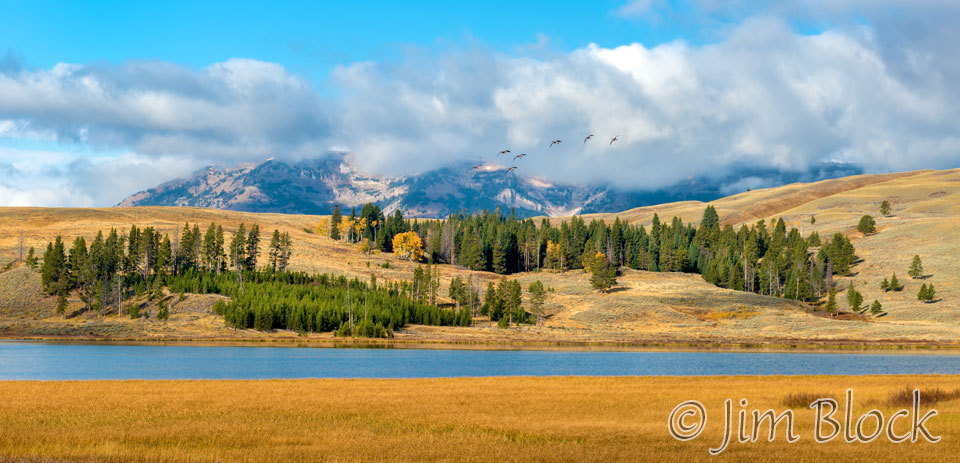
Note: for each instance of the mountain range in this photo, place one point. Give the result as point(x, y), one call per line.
point(314, 186)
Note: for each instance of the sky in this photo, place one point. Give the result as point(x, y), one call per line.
point(99, 100)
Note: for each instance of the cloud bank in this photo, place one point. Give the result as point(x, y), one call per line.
point(877, 93)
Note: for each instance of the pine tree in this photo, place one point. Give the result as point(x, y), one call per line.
point(831, 301)
point(286, 250)
point(61, 304)
point(876, 307)
point(31, 259)
point(252, 247)
point(457, 291)
point(499, 258)
point(885, 285)
point(885, 208)
point(218, 248)
point(603, 275)
point(238, 249)
point(927, 293)
point(210, 248)
point(470, 256)
point(854, 298)
point(895, 283)
point(164, 256)
point(916, 268)
point(53, 271)
point(185, 257)
point(275, 249)
point(491, 302)
point(537, 297)
point(335, 220)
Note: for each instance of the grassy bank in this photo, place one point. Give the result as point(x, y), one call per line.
point(465, 419)
point(416, 342)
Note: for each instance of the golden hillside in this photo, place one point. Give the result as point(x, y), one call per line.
point(646, 308)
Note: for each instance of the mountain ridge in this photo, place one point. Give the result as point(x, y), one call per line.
point(314, 186)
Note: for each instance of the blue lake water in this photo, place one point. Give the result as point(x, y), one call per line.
point(52, 361)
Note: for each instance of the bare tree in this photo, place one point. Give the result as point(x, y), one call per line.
point(20, 244)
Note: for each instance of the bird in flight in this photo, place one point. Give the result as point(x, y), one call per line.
point(477, 166)
point(588, 137)
point(555, 142)
point(503, 152)
point(519, 156)
point(614, 139)
point(512, 168)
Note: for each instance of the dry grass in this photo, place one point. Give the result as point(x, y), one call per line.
point(646, 308)
point(803, 399)
point(904, 397)
point(465, 419)
point(740, 313)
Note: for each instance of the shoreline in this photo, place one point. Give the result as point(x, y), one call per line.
point(573, 346)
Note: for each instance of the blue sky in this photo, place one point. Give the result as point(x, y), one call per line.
point(311, 37)
point(101, 99)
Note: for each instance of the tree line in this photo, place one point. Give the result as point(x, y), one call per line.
point(261, 295)
point(114, 264)
point(765, 258)
point(266, 300)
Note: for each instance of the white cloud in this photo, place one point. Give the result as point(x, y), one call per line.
point(79, 179)
point(765, 97)
point(236, 110)
point(877, 91)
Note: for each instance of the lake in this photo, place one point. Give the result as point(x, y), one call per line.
point(55, 361)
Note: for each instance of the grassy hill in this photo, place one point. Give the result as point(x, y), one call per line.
point(645, 308)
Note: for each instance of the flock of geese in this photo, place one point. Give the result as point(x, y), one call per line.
point(554, 142)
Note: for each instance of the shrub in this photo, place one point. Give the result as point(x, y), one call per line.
point(885, 208)
point(163, 313)
point(867, 225)
point(904, 397)
point(803, 399)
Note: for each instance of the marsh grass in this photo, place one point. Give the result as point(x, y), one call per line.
point(583, 419)
point(904, 396)
point(803, 400)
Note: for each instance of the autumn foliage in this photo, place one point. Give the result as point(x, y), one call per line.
point(408, 245)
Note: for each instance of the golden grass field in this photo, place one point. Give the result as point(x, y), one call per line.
point(646, 309)
point(465, 419)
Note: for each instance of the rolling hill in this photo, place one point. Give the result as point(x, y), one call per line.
point(647, 308)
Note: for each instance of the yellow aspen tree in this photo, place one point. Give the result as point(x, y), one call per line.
point(323, 227)
point(408, 246)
